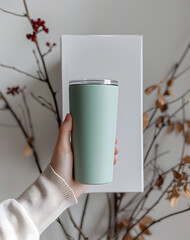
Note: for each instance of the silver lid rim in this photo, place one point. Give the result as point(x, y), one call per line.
point(93, 82)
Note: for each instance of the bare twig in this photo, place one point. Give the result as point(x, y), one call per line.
point(149, 209)
point(38, 64)
point(75, 225)
point(42, 103)
point(42, 98)
point(49, 50)
point(25, 123)
point(182, 72)
point(22, 72)
point(83, 213)
point(28, 112)
point(23, 131)
point(13, 13)
point(160, 219)
point(159, 155)
point(64, 230)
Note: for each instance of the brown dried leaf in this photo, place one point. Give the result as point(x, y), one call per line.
point(140, 237)
point(169, 197)
point(170, 128)
point(186, 191)
point(186, 159)
point(179, 127)
point(187, 137)
point(163, 108)
point(176, 174)
point(161, 98)
point(188, 123)
point(170, 82)
point(30, 139)
point(160, 182)
point(27, 150)
point(146, 220)
point(128, 237)
point(175, 193)
point(174, 201)
point(169, 93)
point(179, 184)
point(159, 120)
point(146, 118)
point(123, 224)
point(150, 89)
point(142, 227)
point(184, 176)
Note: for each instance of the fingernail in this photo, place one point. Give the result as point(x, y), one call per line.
point(68, 117)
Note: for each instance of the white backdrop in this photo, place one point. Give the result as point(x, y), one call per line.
point(165, 28)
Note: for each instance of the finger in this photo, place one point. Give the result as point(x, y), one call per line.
point(116, 140)
point(115, 160)
point(116, 151)
point(65, 132)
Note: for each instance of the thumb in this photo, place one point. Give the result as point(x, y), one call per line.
point(65, 132)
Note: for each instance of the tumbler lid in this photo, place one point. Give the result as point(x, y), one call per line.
point(93, 82)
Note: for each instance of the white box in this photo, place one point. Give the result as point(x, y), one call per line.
point(117, 57)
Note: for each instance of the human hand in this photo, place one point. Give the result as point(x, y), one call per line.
point(62, 159)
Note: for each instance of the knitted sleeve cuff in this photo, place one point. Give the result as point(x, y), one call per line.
point(47, 198)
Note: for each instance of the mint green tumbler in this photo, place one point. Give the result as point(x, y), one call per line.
point(93, 106)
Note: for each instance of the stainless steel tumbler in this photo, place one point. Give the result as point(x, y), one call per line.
point(93, 106)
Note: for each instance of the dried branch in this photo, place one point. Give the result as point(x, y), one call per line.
point(13, 13)
point(28, 112)
point(25, 123)
point(23, 131)
point(22, 72)
point(75, 225)
point(109, 215)
point(42, 98)
point(159, 155)
point(38, 64)
point(45, 68)
point(160, 219)
point(42, 103)
point(49, 50)
point(182, 72)
point(117, 201)
point(83, 213)
point(64, 230)
point(150, 208)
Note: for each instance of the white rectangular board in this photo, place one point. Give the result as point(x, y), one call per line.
point(117, 57)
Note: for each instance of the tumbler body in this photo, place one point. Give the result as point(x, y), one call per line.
point(93, 107)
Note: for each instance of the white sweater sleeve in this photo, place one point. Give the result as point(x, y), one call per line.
point(26, 217)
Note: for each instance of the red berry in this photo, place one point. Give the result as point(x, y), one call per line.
point(46, 30)
point(28, 36)
point(47, 43)
point(43, 22)
point(39, 21)
point(54, 44)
